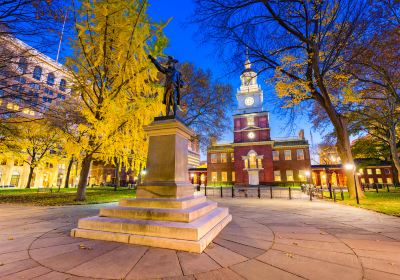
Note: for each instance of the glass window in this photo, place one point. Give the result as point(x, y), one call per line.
point(371, 180)
point(50, 79)
point(369, 171)
point(387, 171)
point(275, 155)
point(223, 157)
point(361, 171)
point(277, 175)
point(288, 155)
point(233, 176)
point(362, 180)
point(37, 73)
point(232, 157)
point(214, 176)
point(224, 176)
point(300, 154)
point(253, 161)
point(302, 176)
point(63, 84)
point(378, 171)
point(259, 163)
point(289, 175)
point(22, 65)
point(213, 158)
point(389, 180)
point(380, 180)
point(250, 121)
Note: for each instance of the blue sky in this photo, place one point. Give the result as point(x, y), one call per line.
point(185, 45)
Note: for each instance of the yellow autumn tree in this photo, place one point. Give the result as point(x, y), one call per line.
point(114, 80)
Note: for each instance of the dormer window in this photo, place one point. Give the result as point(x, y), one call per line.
point(22, 65)
point(250, 121)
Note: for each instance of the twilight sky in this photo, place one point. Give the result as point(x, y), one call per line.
point(185, 45)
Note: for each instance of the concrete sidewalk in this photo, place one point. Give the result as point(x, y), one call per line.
point(267, 239)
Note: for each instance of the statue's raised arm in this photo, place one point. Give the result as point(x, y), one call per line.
point(159, 67)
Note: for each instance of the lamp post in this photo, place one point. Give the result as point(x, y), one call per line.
point(351, 167)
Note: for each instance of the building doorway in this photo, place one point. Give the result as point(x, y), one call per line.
point(15, 179)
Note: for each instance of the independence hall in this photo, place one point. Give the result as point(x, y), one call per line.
point(254, 158)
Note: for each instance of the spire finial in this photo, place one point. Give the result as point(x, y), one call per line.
point(247, 64)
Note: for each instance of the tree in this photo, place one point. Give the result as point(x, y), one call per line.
point(206, 102)
point(301, 42)
point(114, 80)
point(35, 143)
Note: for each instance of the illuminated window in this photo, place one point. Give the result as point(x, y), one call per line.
point(380, 180)
point(275, 155)
point(389, 180)
point(224, 176)
point(250, 121)
point(108, 178)
point(361, 171)
point(362, 180)
point(302, 176)
point(233, 176)
point(277, 175)
point(300, 154)
point(253, 161)
point(369, 171)
point(213, 158)
point(223, 157)
point(378, 171)
point(259, 162)
point(288, 155)
point(232, 157)
point(371, 180)
point(289, 175)
point(214, 176)
point(10, 105)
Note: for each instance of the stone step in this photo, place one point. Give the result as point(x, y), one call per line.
point(159, 214)
point(194, 230)
point(169, 243)
point(180, 203)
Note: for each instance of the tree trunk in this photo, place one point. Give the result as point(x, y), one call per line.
point(83, 178)
point(343, 144)
point(393, 151)
point(117, 178)
point(28, 184)
point(70, 163)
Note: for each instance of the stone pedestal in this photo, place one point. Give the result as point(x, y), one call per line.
point(166, 213)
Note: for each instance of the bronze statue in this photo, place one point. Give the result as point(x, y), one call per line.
point(173, 84)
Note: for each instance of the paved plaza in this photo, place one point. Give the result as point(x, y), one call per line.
point(267, 239)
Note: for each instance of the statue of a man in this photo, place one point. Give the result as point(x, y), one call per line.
point(173, 84)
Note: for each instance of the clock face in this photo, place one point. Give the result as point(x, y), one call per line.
point(249, 101)
point(251, 135)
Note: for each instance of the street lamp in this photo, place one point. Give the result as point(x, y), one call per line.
point(352, 167)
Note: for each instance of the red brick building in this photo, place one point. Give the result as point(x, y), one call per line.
point(254, 158)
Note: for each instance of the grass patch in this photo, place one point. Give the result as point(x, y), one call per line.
point(383, 202)
point(64, 196)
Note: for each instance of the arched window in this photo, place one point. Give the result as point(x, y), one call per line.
point(50, 79)
point(22, 65)
point(37, 73)
point(63, 84)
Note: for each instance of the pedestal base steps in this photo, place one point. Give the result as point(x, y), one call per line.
point(187, 224)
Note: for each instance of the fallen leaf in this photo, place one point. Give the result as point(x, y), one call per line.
point(84, 247)
point(290, 255)
point(1, 264)
point(294, 243)
point(10, 238)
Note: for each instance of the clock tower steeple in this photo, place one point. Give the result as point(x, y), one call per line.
point(250, 94)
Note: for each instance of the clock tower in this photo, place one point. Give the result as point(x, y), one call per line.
point(252, 143)
point(250, 94)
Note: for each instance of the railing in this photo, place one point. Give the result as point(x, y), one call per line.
point(252, 192)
